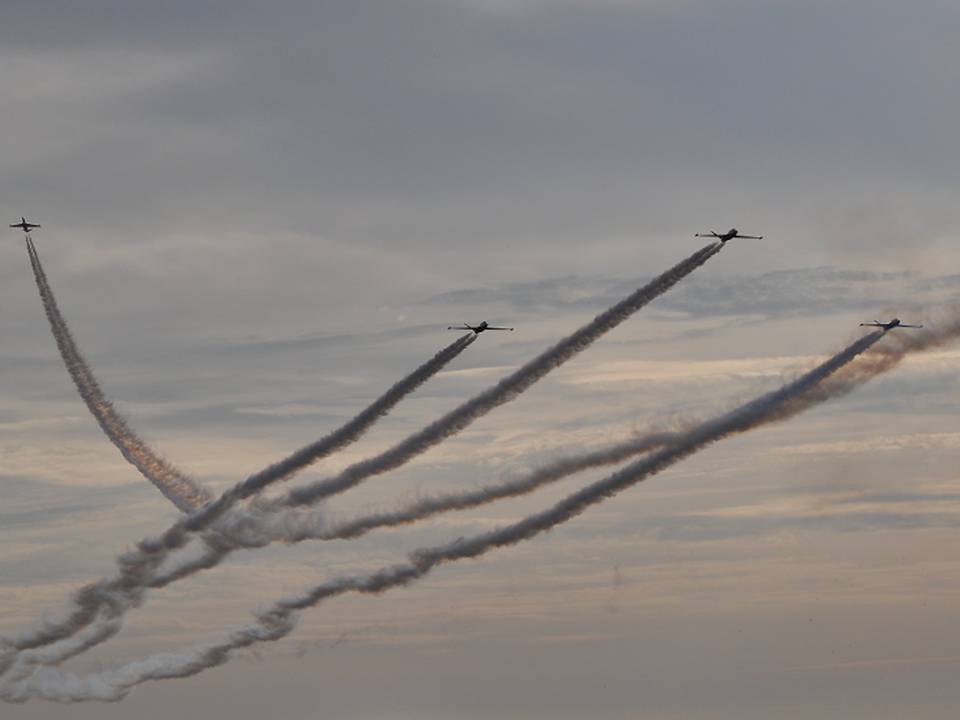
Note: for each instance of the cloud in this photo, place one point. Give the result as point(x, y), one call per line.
point(212, 177)
point(419, 126)
point(708, 529)
point(882, 443)
point(784, 293)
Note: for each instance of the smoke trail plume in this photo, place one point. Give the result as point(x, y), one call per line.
point(138, 566)
point(450, 424)
point(280, 619)
point(942, 327)
point(259, 533)
point(505, 390)
point(179, 488)
point(173, 483)
point(151, 552)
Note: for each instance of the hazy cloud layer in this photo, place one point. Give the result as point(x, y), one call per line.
point(245, 205)
point(783, 293)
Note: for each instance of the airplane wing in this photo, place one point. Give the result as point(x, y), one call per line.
point(751, 237)
point(910, 326)
point(873, 324)
point(492, 327)
point(709, 234)
point(459, 327)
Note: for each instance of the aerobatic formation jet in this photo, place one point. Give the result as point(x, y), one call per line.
point(24, 225)
point(477, 328)
point(895, 323)
point(728, 235)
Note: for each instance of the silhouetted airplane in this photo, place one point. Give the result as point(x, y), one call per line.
point(728, 235)
point(477, 328)
point(895, 323)
point(24, 225)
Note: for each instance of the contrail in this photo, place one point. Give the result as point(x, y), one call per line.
point(182, 490)
point(150, 553)
point(137, 566)
point(258, 534)
point(505, 390)
point(280, 619)
point(136, 574)
point(256, 531)
point(346, 434)
point(178, 487)
point(105, 609)
point(453, 422)
point(880, 360)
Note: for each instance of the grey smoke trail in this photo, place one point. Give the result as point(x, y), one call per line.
point(450, 424)
point(879, 360)
point(179, 488)
point(151, 552)
point(447, 502)
point(942, 328)
point(355, 428)
point(259, 535)
point(138, 566)
point(280, 619)
point(505, 390)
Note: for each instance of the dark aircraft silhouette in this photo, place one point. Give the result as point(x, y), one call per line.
point(24, 225)
point(895, 323)
point(728, 235)
point(477, 328)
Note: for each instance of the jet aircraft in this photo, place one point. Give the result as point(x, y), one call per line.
point(728, 235)
point(24, 225)
point(477, 328)
point(895, 323)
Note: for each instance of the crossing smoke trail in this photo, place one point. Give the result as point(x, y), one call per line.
point(116, 604)
point(505, 390)
point(25, 681)
point(866, 366)
point(180, 489)
point(553, 472)
point(453, 422)
point(218, 548)
point(137, 566)
point(880, 359)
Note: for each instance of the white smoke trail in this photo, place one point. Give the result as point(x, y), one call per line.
point(137, 567)
point(280, 619)
point(178, 487)
point(140, 564)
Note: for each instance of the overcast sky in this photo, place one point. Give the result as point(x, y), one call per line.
point(257, 216)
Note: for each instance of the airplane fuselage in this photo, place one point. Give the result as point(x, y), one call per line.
point(477, 329)
point(728, 235)
point(887, 326)
point(24, 225)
